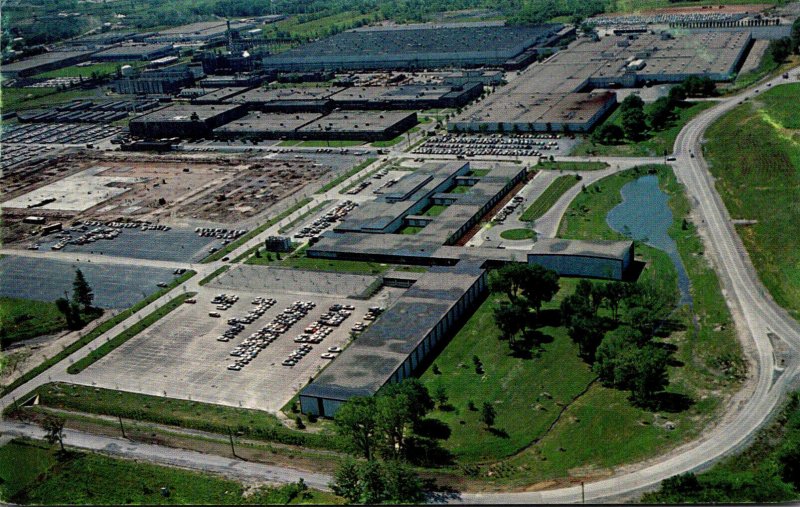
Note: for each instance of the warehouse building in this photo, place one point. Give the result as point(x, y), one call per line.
point(286, 100)
point(184, 120)
point(165, 81)
point(44, 62)
point(416, 46)
point(359, 125)
point(131, 52)
point(407, 96)
point(202, 32)
point(258, 126)
point(555, 95)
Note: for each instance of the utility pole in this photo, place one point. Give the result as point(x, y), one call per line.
point(583, 493)
point(230, 437)
point(121, 427)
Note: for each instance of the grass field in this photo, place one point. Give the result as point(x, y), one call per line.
point(572, 166)
point(182, 413)
point(342, 177)
point(104, 349)
point(654, 144)
point(548, 198)
point(34, 474)
point(434, 210)
point(86, 71)
point(459, 189)
point(21, 319)
point(555, 422)
point(300, 261)
point(214, 274)
point(94, 333)
point(518, 234)
point(27, 98)
point(754, 154)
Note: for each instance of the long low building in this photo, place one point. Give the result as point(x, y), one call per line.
point(44, 62)
point(344, 125)
point(416, 46)
point(555, 95)
point(184, 120)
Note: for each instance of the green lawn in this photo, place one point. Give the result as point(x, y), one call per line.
point(16, 99)
point(654, 144)
point(434, 210)
point(342, 177)
point(102, 328)
point(518, 234)
point(21, 319)
point(409, 229)
point(104, 349)
point(459, 189)
point(549, 197)
point(181, 413)
point(300, 261)
point(86, 71)
point(754, 155)
point(572, 166)
point(34, 474)
point(330, 144)
point(479, 172)
point(214, 274)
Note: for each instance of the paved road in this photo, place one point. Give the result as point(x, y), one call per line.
point(228, 467)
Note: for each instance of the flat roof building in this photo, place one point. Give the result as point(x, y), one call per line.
point(203, 31)
point(415, 46)
point(44, 62)
point(130, 52)
point(184, 120)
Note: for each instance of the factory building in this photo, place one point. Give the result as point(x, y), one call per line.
point(555, 96)
point(44, 62)
point(201, 32)
point(416, 47)
point(184, 120)
point(131, 52)
point(409, 334)
point(165, 81)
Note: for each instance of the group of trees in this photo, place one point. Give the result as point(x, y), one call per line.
point(621, 348)
point(81, 302)
point(383, 430)
point(780, 49)
point(527, 287)
point(635, 121)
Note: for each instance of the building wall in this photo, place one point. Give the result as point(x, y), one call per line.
point(575, 265)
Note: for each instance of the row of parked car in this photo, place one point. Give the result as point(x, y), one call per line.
point(219, 233)
point(318, 331)
point(251, 346)
point(509, 208)
point(237, 324)
point(496, 144)
point(325, 221)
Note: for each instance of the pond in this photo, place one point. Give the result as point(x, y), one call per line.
point(644, 215)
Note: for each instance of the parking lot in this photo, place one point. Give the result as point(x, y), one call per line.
point(518, 145)
point(178, 244)
point(181, 356)
point(57, 133)
point(114, 286)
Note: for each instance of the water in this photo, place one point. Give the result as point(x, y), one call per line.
point(644, 215)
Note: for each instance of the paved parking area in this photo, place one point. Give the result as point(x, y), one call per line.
point(180, 354)
point(267, 278)
point(114, 286)
point(180, 244)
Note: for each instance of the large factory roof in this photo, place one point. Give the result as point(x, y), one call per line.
point(43, 59)
point(264, 96)
point(357, 121)
point(257, 122)
point(366, 365)
point(184, 112)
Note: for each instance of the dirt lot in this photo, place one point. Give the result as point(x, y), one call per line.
point(180, 189)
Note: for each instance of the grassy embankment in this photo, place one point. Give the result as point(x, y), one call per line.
point(754, 155)
point(572, 166)
point(347, 174)
point(556, 421)
point(654, 143)
point(99, 330)
point(551, 194)
point(22, 319)
point(35, 474)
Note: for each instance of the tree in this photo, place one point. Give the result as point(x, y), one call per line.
point(440, 395)
point(631, 102)
point(72, 316)
point(613, 294)
point(401, 483)
point(507, 280)
point(789, 460)
point(488, 414)
point(677, 94)
point(660, 113)
point(608, 133)
point(795, 36)
point(587, 332)
point(510, 320)
point(54, 427)
point(373, 482)
point(634, 123)
point(81, 291)
point(650, 373)
point(355, 422)
point(780, 49)
point(538, 285)
point(346, 481)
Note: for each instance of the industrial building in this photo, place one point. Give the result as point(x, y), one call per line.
point(44, 62)
point(168, 80)
point(346, 125)
point(132, 52)
point(184, 120)
point(286, 100)
point(552, 95)
point(201, 32)
point(416, 47)
point(402, 342)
